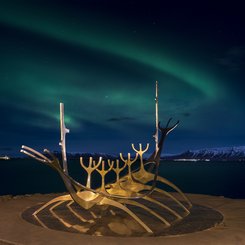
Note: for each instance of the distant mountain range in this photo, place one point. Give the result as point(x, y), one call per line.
point(86, 155)
point(235, 153)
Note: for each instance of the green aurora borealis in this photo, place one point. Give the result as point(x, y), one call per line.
point(102, 59)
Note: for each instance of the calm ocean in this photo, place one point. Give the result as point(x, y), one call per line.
point(27, 176)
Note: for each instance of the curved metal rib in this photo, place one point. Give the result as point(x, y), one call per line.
point(127, 190)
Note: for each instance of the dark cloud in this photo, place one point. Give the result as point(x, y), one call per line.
point(186, 114)
point(103, 66)
point(117, 119)
point(234, 58)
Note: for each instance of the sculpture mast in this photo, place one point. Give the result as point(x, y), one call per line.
point(156, 135)
point(63, 132)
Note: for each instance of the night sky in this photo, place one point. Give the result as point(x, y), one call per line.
point(102, 58)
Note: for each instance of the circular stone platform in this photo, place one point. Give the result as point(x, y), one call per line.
point(214, 220)
point(114, 222)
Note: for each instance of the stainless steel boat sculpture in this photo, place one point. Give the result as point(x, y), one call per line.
point(137, 188)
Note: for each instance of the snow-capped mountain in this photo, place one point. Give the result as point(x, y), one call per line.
point(235, 153)
point(86, 155)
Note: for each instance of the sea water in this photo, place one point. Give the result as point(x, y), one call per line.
point(27, 176)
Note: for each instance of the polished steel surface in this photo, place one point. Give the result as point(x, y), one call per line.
point(131, 189)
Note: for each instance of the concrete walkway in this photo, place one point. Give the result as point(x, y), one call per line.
point(15, 230)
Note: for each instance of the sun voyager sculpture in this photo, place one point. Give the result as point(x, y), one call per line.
point(135, 190)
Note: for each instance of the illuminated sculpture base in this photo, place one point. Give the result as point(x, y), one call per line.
point(114, 222)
